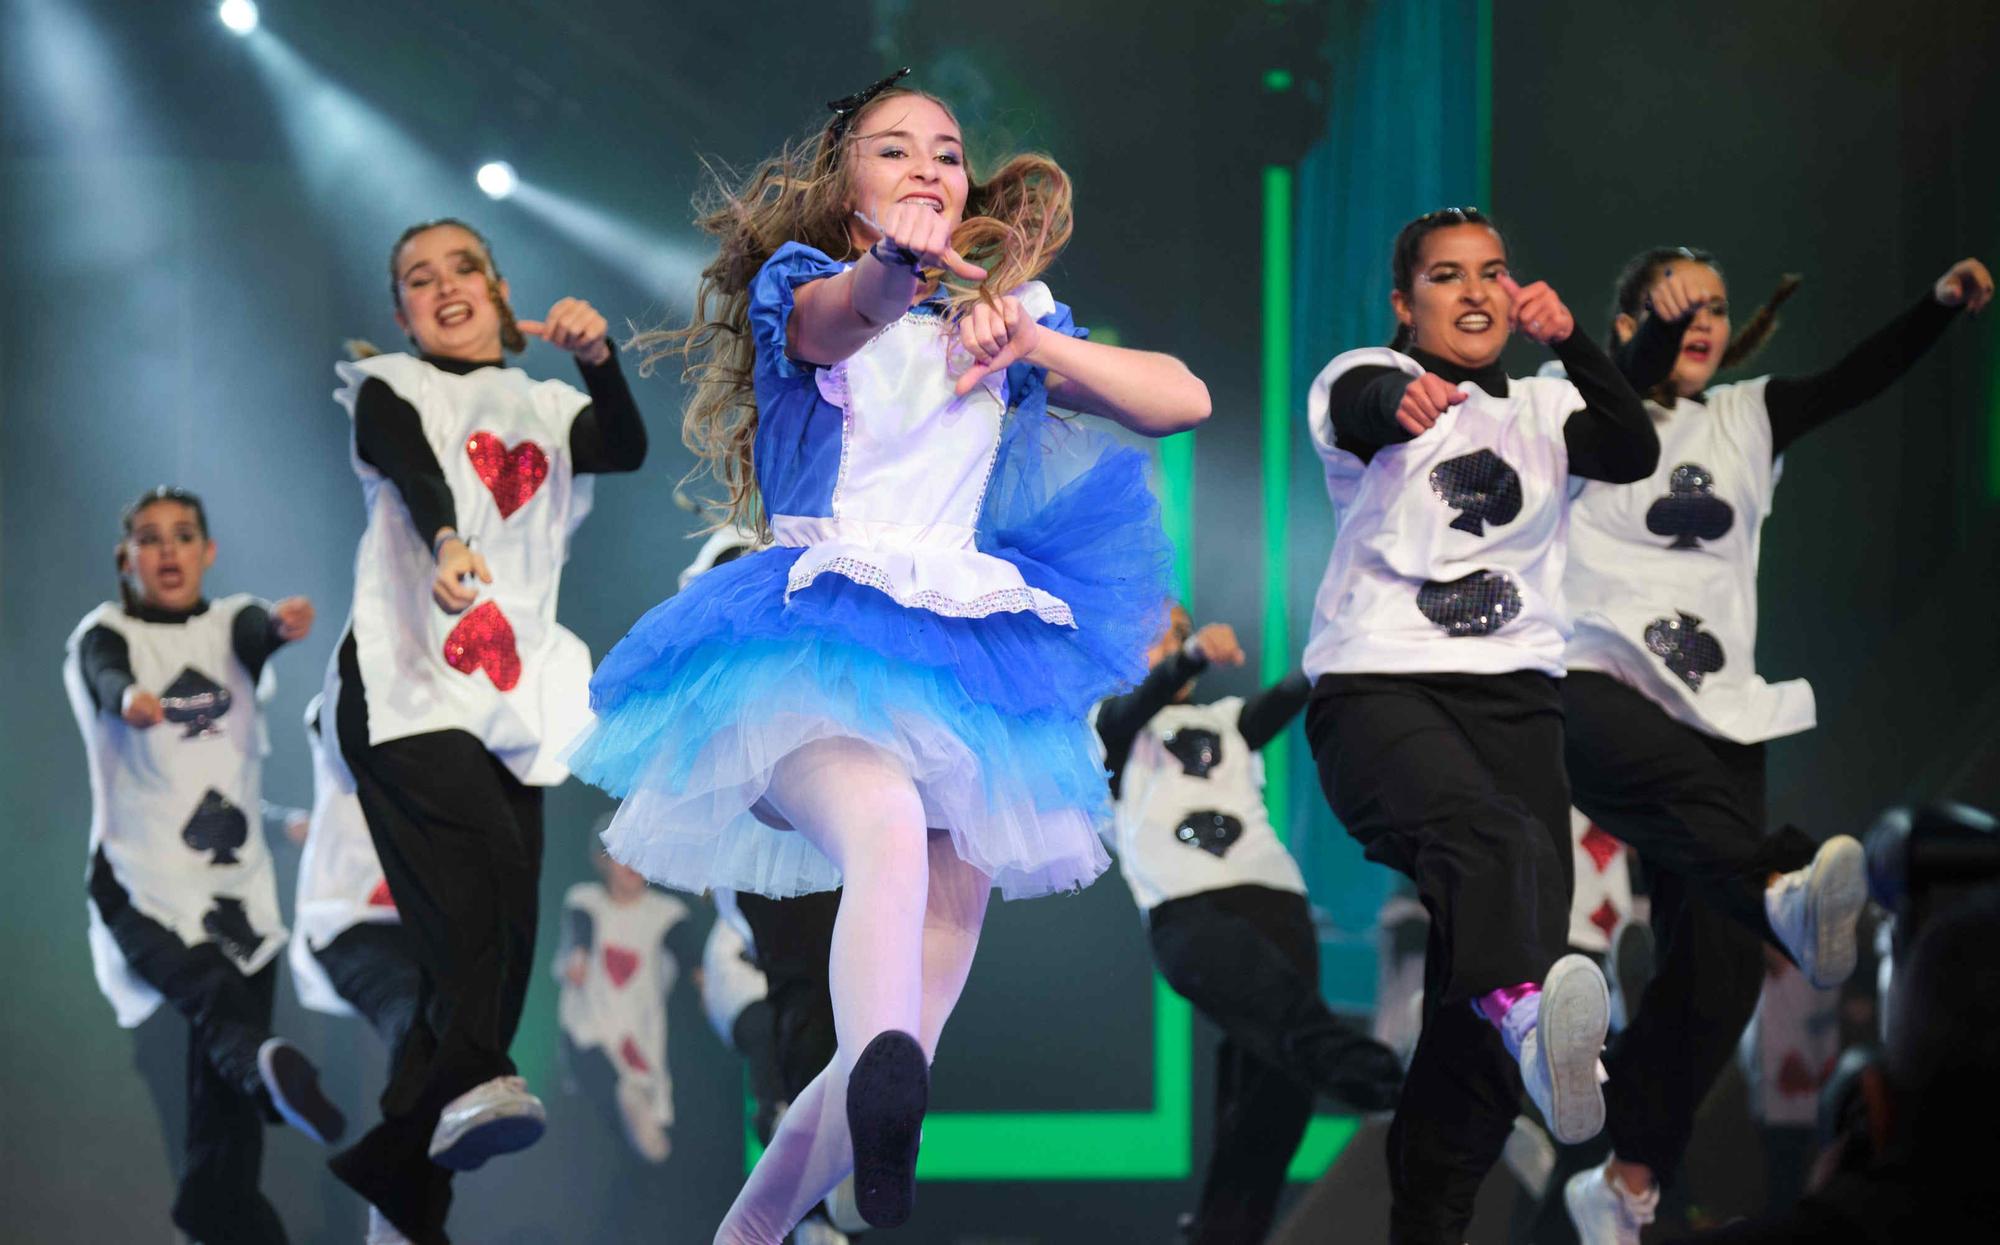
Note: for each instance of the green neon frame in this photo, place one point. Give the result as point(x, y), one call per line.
point(1327, 1135)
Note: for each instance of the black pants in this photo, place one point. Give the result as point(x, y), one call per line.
point(372, 966)
point(1456, 781)
point(1692, 807)
point(755, 1037)
point(1247, 957)
point(794, 938)
point(592, 1076)
point(460, 840)
point(229, 1017)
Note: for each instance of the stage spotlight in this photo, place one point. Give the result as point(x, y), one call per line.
point(239, 15)
point(497, 178)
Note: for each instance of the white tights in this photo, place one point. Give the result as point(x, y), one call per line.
point(910, 912)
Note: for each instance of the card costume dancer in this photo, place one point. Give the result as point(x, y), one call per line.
point(1668, 716)
point(166, 686)
point(454, 688)
point(1226, 914)
point(1436, 720)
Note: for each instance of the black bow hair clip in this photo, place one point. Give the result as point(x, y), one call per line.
point(848, 107)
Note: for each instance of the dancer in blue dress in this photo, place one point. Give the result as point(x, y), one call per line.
point(892, 697)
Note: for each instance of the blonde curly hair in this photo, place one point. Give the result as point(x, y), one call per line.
point(1016, 222)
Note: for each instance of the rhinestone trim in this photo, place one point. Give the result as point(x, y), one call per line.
point(1002, 601)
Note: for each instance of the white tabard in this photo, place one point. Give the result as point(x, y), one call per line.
point(1190, 815)
point(1448, 557)
point(177, 808)
point(1663, 573)
point(504, 670)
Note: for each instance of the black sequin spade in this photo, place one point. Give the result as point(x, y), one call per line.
point(217, 826)
point(1690, 512)
point(229, 925)
point(1198, 751)
point(1687, 650)
point(1213, 832)
point(195, 701)
point(1481, 487)
point(1477, 604)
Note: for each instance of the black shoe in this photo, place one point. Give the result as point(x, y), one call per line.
point(390, 1173)
point(887, 1094)
point(293, 1084)
point(1630, 968)
point(1358, 1072)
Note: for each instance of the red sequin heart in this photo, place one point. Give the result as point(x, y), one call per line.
point(621, 964)
point(1600, 847)
point(380, 896)
point(628, 1050)
point(484, 638)
point(511, 475)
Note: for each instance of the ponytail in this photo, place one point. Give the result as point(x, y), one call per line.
point(1756, 331)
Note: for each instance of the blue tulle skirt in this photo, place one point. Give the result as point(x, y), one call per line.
point(709, 691)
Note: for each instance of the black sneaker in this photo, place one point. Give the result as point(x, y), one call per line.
point(887, 1094)
point(1355, 1070)
point(1631, 963)
point(293, 1084)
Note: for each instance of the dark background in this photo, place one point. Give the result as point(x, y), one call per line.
point(191, 224)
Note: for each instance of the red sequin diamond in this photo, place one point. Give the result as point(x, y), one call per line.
point(628, 1050)
point(1606, 917)
point(1601, 847)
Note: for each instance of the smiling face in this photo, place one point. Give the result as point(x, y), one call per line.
point(166, 554)
point(446, 299)
point(906, 149)
point(1455, 307)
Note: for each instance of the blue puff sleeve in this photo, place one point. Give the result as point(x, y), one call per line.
point(791, 266)
point(1027, 385)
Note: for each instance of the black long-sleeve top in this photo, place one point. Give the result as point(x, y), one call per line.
point(1121, 718)
point(607, 436)
point(106, 659)
point(1798, 404)
point(1610, 439)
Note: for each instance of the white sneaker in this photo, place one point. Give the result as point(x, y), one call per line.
point(1814, 910)
point(1559, 1055)
point(1605, 1212)
point(496, 1117)
point(382, 1232)
point(817, 1231)
point(642, 1123)
point(841, 1209)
